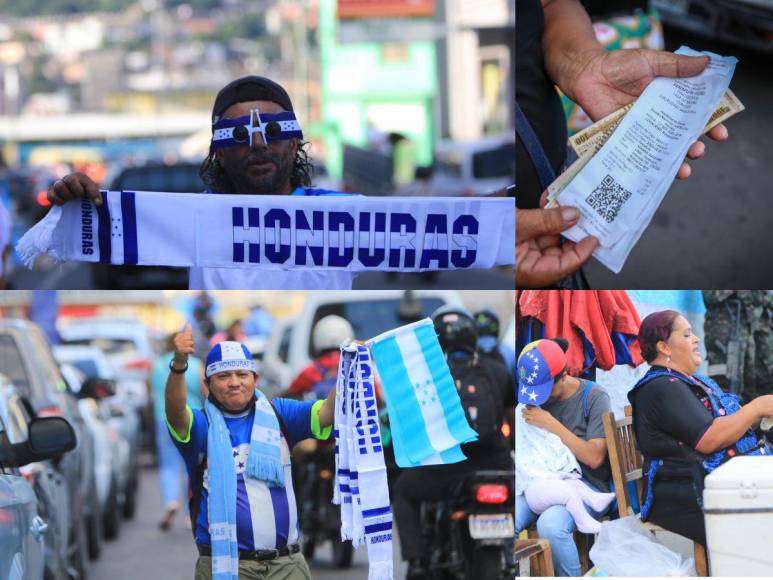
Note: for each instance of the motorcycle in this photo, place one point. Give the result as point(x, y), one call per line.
point(471, 534)
point(321, 519)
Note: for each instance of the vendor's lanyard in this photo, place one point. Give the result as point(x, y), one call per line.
point(534, 149)
point(692, 380)
point(546, 176)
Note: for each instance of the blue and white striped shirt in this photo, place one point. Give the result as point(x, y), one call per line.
point(266, 517)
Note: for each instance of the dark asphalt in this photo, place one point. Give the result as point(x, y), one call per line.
point(713, 230)
point(143, 551)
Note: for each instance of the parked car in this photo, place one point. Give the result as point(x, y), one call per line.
point(114, 408)
point(26, 359)
point(747, 23)
point(111, 458)
point(33, 495)
point(474, 167)
point(127, 345)
point(370, 313)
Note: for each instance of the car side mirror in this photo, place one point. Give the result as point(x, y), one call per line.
point(49, 438)
point(96, 388)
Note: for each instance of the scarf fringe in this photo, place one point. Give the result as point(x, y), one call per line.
point(380, 571)
point(346, 531)
point(265, 469)
point(358, 536)
point(39, 239)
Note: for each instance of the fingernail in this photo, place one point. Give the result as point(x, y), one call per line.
point(570, 214)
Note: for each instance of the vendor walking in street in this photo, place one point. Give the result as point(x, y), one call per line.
point(237, 453)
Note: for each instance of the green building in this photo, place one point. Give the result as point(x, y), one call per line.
point(389, 84)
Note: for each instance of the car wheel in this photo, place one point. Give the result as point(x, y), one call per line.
point(308, 548)
point(94, 535)
point(130, 505)
point(112, 518)
point(342, 553)
point(78, 557)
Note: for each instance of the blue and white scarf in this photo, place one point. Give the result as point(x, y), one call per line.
point(348, 233)
point(263, 463)
point(360, 469)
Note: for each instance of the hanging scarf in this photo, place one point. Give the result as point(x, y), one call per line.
point(351, 233)
point(263, 463)
point(362, 464)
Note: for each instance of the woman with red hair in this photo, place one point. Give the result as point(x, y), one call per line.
point(685, 425)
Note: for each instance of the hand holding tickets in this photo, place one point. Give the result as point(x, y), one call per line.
point(629, 159)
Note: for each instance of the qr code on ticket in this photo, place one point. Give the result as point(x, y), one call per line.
point(608, 198)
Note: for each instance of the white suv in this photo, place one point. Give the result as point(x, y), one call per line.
point(474, 167)
point(370, 313)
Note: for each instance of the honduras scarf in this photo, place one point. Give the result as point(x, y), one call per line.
point(352, 233)
point(425, 412)
point(263, 463)
point(360, 469)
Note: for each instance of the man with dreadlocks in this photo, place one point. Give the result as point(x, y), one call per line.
point(242, 159)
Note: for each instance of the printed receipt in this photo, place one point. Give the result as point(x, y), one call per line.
point(620, 188)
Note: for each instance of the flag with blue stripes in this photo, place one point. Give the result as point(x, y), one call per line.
point(425, 412)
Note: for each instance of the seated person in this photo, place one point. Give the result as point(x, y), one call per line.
point(547, 474)
point(685, 425)
point(572, 409)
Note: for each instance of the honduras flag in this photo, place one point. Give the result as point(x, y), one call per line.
point(425, 414)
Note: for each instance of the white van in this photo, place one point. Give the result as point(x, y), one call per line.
point(370, 313)
point(473, 167)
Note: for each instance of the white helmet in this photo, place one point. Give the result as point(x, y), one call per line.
point(330, 332)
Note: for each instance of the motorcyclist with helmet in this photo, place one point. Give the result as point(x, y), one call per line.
point(486, 391)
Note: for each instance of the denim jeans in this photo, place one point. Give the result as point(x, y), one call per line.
point(171, 469)
point(556, 525)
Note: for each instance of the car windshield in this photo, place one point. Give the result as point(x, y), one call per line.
point(12, 365)
point(372, 317)
point(87, 366)
point(498, 162)
point(107, 345)
point(182, 178)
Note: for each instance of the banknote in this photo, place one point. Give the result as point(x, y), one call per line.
point(588, 141)
point(627, 166)
point(593, 137)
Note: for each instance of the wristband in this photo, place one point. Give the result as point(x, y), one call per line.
point(177, 371)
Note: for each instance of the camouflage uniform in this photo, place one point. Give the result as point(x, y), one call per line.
point(755, 333)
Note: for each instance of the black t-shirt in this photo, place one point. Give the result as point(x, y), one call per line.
point(537, 97)
point(493, 451)
point(670, 418)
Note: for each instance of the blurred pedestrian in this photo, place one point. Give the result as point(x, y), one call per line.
point(317, 378)
point(237, 452)
point(5, 241)
point(171, 470)
point(489, 344)
point(259, 322)
point(234, 332)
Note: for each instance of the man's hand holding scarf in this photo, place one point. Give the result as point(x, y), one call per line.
point(73, 186)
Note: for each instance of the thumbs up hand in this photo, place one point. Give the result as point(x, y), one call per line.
point(183, 345)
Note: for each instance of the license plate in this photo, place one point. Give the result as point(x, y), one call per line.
point(496, 526)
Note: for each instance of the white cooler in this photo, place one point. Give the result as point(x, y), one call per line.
point(738, 503)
